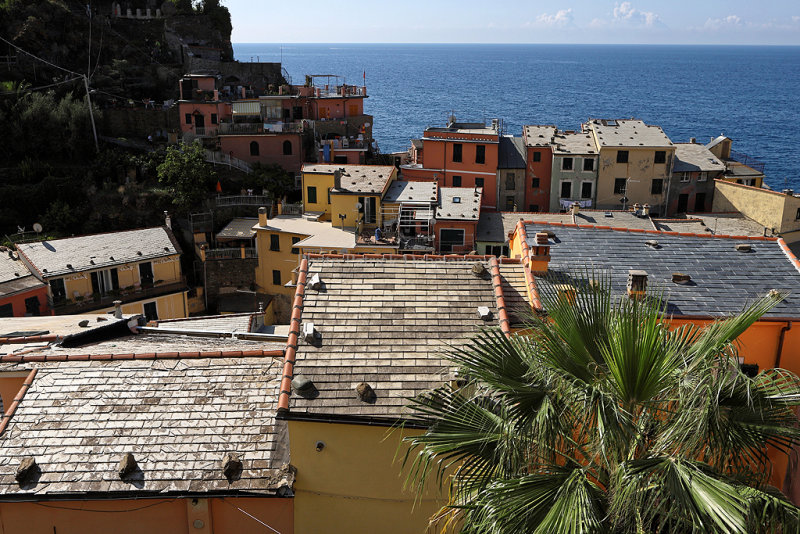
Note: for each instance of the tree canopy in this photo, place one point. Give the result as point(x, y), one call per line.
point(604, 418)
point(187, 175)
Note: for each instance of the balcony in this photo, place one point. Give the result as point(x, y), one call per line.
point(257, 128)
point(242, 200)
point(345, 144)
point(230, 253)
point(201, 131)
point(130, 294)
point(750, 161)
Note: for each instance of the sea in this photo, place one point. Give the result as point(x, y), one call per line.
point(748, 93)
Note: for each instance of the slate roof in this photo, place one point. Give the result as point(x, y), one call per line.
point(233, 322)
point(730, 224)
point(52, 257)
point(511, 153)
point(628, 133)
point(356, 178)
point(723, 280)
point(178, 417)
point(617, 219)
point(691, 157)
point(538, 134)
point(14, 275)
point(239, 228)
point(385, 322)
point(574, 143)
point(402, 191)
point(459, 203)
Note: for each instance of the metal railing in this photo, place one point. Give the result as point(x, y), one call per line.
point(231, 253)
point(242, 200)
point(338, 144)
point(750, 161)
point(201, 131)
point(292, 209)
point(218, 158)
point(233, 128)
point(70, 306)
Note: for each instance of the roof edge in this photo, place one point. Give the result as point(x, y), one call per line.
point(657, 232)
point(290, 353)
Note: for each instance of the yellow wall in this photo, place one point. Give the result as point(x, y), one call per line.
point(323, 182)
point(282, 260)
point(167, 270)
point(767, 208)
point(348, 206)
point(355, 483)
point(640, 169)
point(172, 306)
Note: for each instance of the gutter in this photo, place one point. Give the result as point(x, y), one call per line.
point(779, 352)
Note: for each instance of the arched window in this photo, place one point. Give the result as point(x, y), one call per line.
point(287, 148)
point(254, 148)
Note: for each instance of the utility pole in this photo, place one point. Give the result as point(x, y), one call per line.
point(91, 113)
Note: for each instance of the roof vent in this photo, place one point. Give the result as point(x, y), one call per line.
point(138, 252)
point(127, 465)
point(69, 266)
point(652, 243)
point(681, 278)
point(315, 282)
point(304, 387)
point(310, 333)
point(166, 249)
point(232, 467)
point(456, 200)
point(744, 247)
point(111, 258)
point(484, 313)
point(366, 393)
point(91, 262)
point(479, 269)
point(27, 470)
point(637, 283)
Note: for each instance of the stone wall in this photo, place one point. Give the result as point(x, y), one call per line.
point(228, 274)
point(137, 122)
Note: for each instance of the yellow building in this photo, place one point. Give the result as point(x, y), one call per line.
point(739, 168)
point(634, 163)
point(380, 327)
point(347, 195)
point(140, 268)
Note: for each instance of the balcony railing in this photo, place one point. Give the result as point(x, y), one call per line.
point(218, 158)
point(750, 161)
point(93, 302)
point(255, 128)
point(231, 253)
point(201, 131)
point(292, 209)
point(242, 200)
point(337, 144)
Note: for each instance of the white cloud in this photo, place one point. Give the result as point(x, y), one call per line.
point(795, 18)
point(731, 21)
point(559, 19)
point(625, 13)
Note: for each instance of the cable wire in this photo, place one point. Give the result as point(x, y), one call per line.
point(38, 58)
point(24, 89)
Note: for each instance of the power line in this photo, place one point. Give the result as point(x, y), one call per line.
point(40, 87)
point(38, 58)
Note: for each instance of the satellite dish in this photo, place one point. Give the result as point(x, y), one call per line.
point(358, 205)
point(37, 228)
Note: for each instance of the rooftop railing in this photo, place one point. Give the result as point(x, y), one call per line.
point(231, 253)
point(242, 200)
point(750, 161)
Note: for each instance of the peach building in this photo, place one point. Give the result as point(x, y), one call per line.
point(21, 293)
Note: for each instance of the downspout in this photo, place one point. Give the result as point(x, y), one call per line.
point(780, 343)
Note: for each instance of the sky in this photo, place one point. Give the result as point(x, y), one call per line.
point(770, 22)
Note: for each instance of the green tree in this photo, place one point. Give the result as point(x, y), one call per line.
point(189, 178)
point(271, 177)
point(603, 419)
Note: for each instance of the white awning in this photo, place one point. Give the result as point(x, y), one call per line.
point(246, 108)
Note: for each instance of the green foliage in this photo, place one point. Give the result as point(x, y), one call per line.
point(271, 177)
point(189, 178)
point(63, 218)
point(603, 419)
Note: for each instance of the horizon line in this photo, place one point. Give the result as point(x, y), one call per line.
point(520, 44)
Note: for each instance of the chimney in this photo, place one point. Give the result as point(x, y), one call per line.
point(575, 208)
point(693, 140)
point(540, 253)
point(167, 220)
point(637, 284)
point(118, 309)
point(337, 179)
point(262, 216)
point(646, 210)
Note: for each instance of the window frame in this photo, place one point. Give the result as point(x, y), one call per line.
point(454, 243)
point(480, 154)
point(660, 182)
point(456, 179)
point(309, 190)
point(568, 166)
point(622, 156)
point(481, 180)
point(287, 144)
point(590, 161)
point(458, 152)
point(660, 155)
point(255, 149)
point(535, 183)
point(274, 242)
point(591, 189)
point(295, 240)
point(276, 275)
point(561, 185)
point(188, 118)
point(620, 190)
point(537, 156)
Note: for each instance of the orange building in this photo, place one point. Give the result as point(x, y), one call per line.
point(725, 274)
point(160, 431)
point(456, 219)
point(459, 155)
point(539, 151)
point(21, 293)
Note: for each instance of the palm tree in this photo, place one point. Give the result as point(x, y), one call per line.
point(603, 418)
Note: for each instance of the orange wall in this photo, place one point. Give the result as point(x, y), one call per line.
point(469, 234)
point(222, 109)
point(354, 157)
point(151, 516)
point(270, 149)
point(542, 170)
point(18, 302)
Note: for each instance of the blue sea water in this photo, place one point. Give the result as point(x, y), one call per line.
point(749, 93)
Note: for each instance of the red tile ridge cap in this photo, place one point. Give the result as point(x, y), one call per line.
point(29, 339)
point(28, 357)
point(530, 282)
point(789, 254)
point(20, 395)
point(656, 232)
point(186, 319)
point(290, 353)
point(28, 263)
point(497, 283)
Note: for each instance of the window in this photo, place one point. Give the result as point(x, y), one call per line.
point(276, 277)
point(537, 156)
point(511, 182)
point(797, 215)
point(456, 181)
point(588, 164)
point(619, 186)
point(213, 118)
point(450, 238)
point(367, 206)
point(702, 177)
point(456, 200)
point(311, 194)
point(566, 164)
point(622, 156)
point(478, 182)
point(700, 203)
point(586, 190)
point(510, 203)
point(57, 289)
point(457, 147)
point(533, 207)
point(566, 189)
point(295, 240)
point(287, 148)
point(275, 242)
point(146, 273)
point(657, 187)
point(685, 177)
point(660, 157)
point(32, 306)
point(254, 148)
point(151, 311)
point(103, 282)
point(188, 118)
point(7, 310)
point(480, 154)
point(535, 183)
point(497, 250)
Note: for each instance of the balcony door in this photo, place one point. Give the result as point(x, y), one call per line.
point(104, 282)
point(146, 273)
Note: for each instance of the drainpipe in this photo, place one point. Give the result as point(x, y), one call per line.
point(780, 343)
